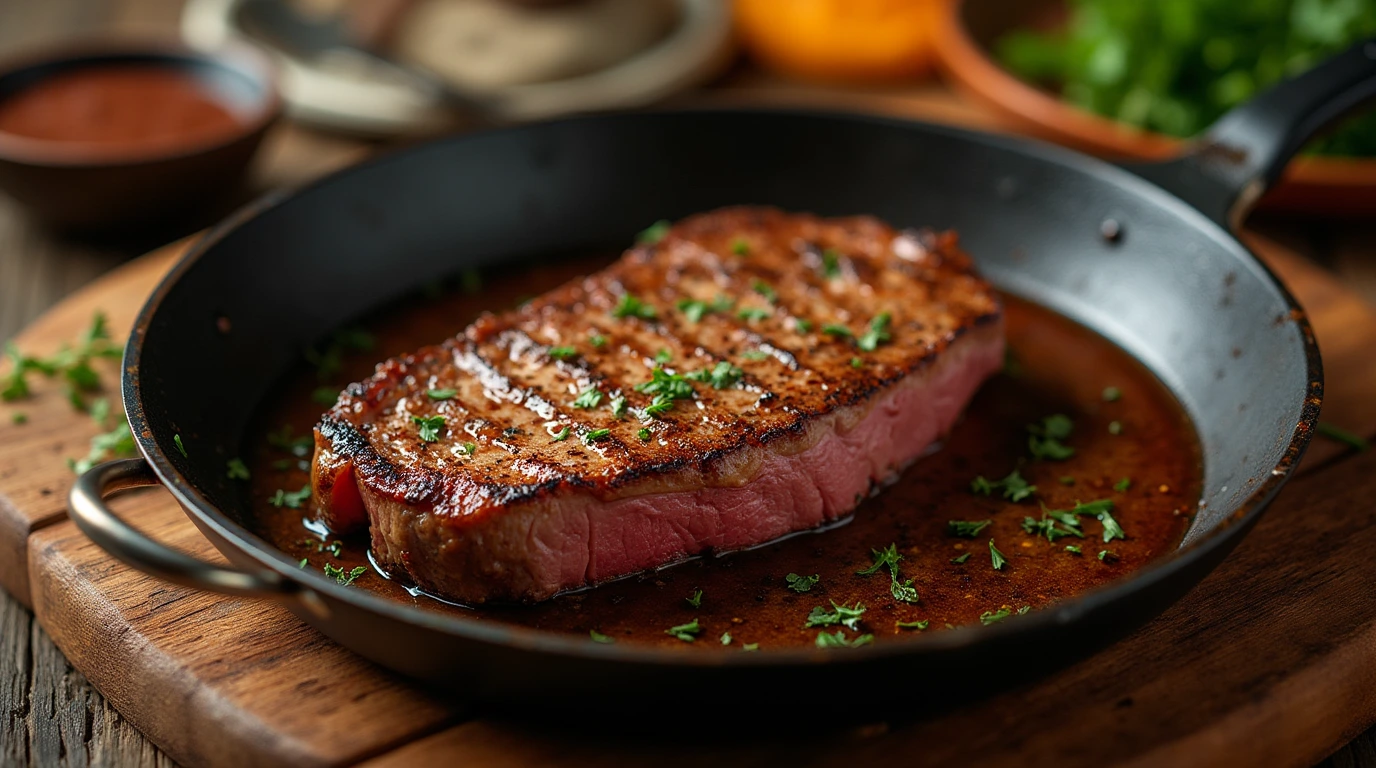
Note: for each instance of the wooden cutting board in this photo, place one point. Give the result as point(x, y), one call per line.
point(1271, 661)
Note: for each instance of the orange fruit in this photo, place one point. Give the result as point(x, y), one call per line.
point(840, 40)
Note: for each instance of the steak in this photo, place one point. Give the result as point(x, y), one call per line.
point(749, 374)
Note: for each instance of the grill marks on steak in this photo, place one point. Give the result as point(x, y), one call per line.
point(525, 515)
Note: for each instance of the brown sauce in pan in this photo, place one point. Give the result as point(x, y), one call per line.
point(1059, 367)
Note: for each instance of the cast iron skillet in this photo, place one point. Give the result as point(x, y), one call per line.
point(1144, 256)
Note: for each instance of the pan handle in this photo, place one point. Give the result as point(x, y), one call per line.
point(86, 504)
point(1243, 154)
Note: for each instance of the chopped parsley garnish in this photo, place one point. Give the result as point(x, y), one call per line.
point(590, 398)
point(721, 376)
point(618, 406)
point(671, 385)
point(888, 558)
point(325, 395)
point(856, 362)
point(740, 247)
point(839, 614)
point(1115, 427)
point(766, 290)
point(831, 263)
point(661, 405)
point(653, 233)
point(468, 449)
point(751, 314)
point(1055, 524)
point(430, 427)
point(726, 638)
point(562, 353)
point(919, 625)
point(802, 583)
point(1014, 487)
point(1112, 394)
point(1044, 438)
point(750, 647)
point(802, 326)
point(235, 469)
point(343, 577)
point(961, 560)
point(630, 306)
point(1073, 549)
point(290, 500)
point(1123, 485)
point(598, 637)
point(695, 599)
point(685, 632)
point(181, 448)
point(1351, 440)
point(561, 435)
point(966, 529)
point(304, 562)
point(877, 334)
point(1111, 528)
point(993, 617)
point(839, 640)
point(695, 310)
point(1108, 556)
point(754, 355)
point(597, 340)
point(834, 329)
point(72, 363)
point(596, 435)
point(643, 434)
point(664, 356)
point(996, 557)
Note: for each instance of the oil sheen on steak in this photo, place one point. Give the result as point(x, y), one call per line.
point(841, 348)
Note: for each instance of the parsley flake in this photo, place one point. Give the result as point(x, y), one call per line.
point(235, 469)
point(597, 435)
point(1014, 487)
point(653, 233)
point(966, 529)
point(721, 376)
point(1044, 438)
point(831, 264)
point(1073, 549)
point(630, 306)
point(726, 638)
point(918, 625)
point(597, 340)
point(661, 405)
point(754, 355)
point(835, 329)
point(618, 406)
point(839, 640)
point(1123, 485)
point(685, 632)
point(598, 637)
point(561, 435)
point(430, 427)
point(740, 247)
point(961, 560)
point(671, 385)
point(1112, 394)
point(856, 362)
point(343, 577)
point(290, 500)
point(643, 434)
point(766, 290)
point(18, 418)
point(802, 326)
point(751, 314)
point(802, 583)
point(664, 357)
point(996, 557)
point(839, 614)
point(750, 647)
point(589, 398)
point(993, 617)
point(695, 599)
point(1115, 427)
point(177, 439)
point(561, 353)
point(1111, 528)
point(877, 334)
point(888, 558)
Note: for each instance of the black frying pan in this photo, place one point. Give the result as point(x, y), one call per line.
point(1144, 256)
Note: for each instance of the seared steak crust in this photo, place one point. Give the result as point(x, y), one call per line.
point(809, 323)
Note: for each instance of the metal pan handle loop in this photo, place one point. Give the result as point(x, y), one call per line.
point(86, 505)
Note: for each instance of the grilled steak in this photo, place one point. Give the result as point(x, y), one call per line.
point(750, 374)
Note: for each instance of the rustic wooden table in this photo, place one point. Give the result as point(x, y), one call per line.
point(49, 714)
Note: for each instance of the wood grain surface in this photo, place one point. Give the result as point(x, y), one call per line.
point(51, 715)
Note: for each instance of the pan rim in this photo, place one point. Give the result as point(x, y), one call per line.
point(486, 631)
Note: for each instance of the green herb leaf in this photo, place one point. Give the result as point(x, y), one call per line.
point(236, 469)
point(653, 233)
point(664, 357)
point(877, 334)
point(561, 353)
point(726, 638)
point(115, 443)
point(596, 435)
point(1014, 487)
point(561, 435)
point(1073, 549)
point(598, 637)
point(766, 290)
point(966, 529)
point(888, 558)
point(1111, 528)
point(430, 427)
point(918, 625)
point(441, 394)
point(661, 405)
point(590, 398)
point(754, 355)
point(996, 557)
point(1112, 394)
point(685, 632)
point(1108, 556)
point(1115, 427)
point(1044, 439)
point(883, 558)
point(469, 448)
point(751, 314)
point(630, 306)
point(177, 439)
point(290, 500)
point(671, 385)
point(695, 599)
point(643, 434)
point(961, 559)
point(993, 617)
point(831, 264)
point(839, 614)
point(740, 247)
point(856, 362)
point(1123, 485)
point(618, 406)
point(802, 583)
point(721, 376)
point(597, 340)
point(750, 647)
point(19, 418)
point(802, 326)
point(839, 640)
point(834, 329)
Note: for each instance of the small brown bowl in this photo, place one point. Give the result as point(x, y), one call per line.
point(967, 33)
point(95, 187)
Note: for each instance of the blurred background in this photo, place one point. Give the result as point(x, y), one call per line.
point(233, 98)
